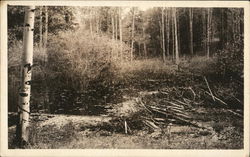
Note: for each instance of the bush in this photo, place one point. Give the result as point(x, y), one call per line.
point(76, 58)
point(230, 60)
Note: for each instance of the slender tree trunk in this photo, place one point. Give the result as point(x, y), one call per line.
point(133, 29)
point(176, 39)
point(204, 30)
point(178, 32)
point(160, 38)
point(144, 42)
point(24, 93)
point(113, 27)
point(139, 45)
point(120, 27)
point(40, 28)
point(222, 28)
point(163, 36)
point(45, 40)
point(173, 36)
point(116, 27)
point(46, 28)
point(167, 31)
point(90, 23)
point(191, 30)
point(209, 27)
point(113, 35)
point(97, 22)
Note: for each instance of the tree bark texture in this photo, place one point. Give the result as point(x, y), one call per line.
point(25, 89)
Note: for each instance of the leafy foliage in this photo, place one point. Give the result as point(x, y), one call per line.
point(79, 65)
point(231, 59)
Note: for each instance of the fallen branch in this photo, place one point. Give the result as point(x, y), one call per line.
point(151, 124)
point(235, 113)
point(183, 103)
point(209, 88)
point(216, 98)
point(192, 92)
point(141, 102)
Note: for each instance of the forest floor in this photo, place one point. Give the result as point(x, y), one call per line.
point(223, 125)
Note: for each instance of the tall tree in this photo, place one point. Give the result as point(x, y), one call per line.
point(120, 28)
point(144, 40)
point(40, 27)
point(116, 26)
point(163, 35)
point(167, 31)
point(204, 30)
point(24, 93)
point(46, 27)
point(209, 30)
point(191, 30)
point(133, 30)
point(90, 22)
point(176, 37)
point(173, 35)
point(113, 26)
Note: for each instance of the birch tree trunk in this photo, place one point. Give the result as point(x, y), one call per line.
point(90, 23)
point(163, 35)
point(97, 22)
point(45, 39)
point(113, 27)
point(40, 28)
point(133, 29)
point(116, 27)
point(173, 36)
point(22, 132)
point(191, 30)
point(144, 42)
point(209, 30)
point(176, 39)
point(167, 31)
point(204, 30)
point(120, 28)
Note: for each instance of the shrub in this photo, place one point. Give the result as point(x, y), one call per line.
point(230, 60)
point(76, 58)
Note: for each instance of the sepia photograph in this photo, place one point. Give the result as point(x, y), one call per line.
point(156, 77)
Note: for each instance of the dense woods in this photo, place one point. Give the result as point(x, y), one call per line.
point(90, 59)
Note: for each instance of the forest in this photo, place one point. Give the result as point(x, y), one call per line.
point(152, 77)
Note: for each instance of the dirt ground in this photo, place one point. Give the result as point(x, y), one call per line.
point(103, 132)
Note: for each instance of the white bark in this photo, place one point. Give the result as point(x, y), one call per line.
point(120, 27)
point(133, 29)
point(163, 35)
point(27, 61)
point(176, 39)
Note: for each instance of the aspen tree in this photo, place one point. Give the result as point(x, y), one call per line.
point(163, 35)
point(113, 26)
point(191, 30)
point(46, 28)
point(173, 35)
point(116, 26)
point(204, 30)
point(90, 23)
point(120, 28)
point(167, 30)
point(133, 30)
point(113, 32)
point(25, 89)
point(40, 27)
point(209, 30)
point(176, 38)
point(144, 42)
